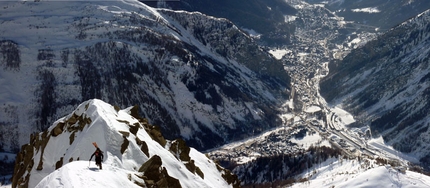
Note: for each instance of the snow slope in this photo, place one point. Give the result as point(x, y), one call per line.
point(128, 143)
point(80, 174)
point(352, 173)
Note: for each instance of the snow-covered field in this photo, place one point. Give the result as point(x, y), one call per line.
point(311, 139)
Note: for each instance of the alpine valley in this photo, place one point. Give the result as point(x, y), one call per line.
point(277, 93)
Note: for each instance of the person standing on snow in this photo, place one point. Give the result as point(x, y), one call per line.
point(99, 157)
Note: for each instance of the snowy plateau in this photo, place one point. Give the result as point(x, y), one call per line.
point(74, 72)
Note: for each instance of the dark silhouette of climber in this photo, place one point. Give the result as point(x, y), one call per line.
point(99, 157)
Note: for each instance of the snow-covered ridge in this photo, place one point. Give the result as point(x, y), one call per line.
point(59, 155)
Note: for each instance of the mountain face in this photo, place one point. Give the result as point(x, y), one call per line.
point(383, 14)
point(197, 77)
point(266, 17)
point(135, 153)
point(385, 84)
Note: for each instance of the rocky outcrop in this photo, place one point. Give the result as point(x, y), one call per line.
point(25, 158)
point(156, 176)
